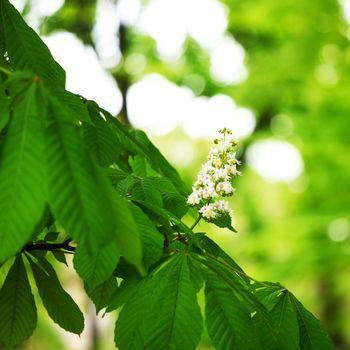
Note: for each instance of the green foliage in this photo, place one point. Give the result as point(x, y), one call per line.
point(59, 305)
point(22, 191)
point(74, 179)
point(17, 307)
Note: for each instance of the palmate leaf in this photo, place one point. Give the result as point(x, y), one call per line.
point(22, 189)
point(58, 303)
point(74, 190)
point(17, 306)
point(96, 268)
point(227, 318)
point(312, 336)
point(26, 51)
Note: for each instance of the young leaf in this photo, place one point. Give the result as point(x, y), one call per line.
point(17, 306)
point(175, 309)
point(58, 303)
point(26, 50)
point(22, 190)
point(101, 294)
point(312, 336)
point(227, 318)
point(96, 268)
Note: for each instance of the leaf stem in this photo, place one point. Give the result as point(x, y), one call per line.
point(196, 222)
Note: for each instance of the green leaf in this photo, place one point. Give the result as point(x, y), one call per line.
point(137, 142)
point(159, 162)
point(211, 248)
point(76, 195)
point(175, 309)
point(145, 190)
point(125, 291)
point(4, 108)
point(60, 257)
point(51, 236)
point(96, 268)
point(17, 306)
point(223, 221)
point(58, 303)
point(157, 315)
point(138, 165)
point(279, 329)
point(130, 328)
point(101, 294)
point(75, 104)
point(127, 235)
point(312, 336)
point(151, 238)
point(173, 200)
point(100, 139)
point(227, 317)
point(285, 323)
point(26, 51)
point(268, 295)
point(22, 184)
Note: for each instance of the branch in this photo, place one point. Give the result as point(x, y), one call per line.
point(50, 246)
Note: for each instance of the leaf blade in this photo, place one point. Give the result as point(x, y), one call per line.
point(17, 306)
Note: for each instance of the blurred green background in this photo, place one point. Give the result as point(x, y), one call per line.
point(278, 74)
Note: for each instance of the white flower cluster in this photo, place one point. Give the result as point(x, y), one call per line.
point(214, 179)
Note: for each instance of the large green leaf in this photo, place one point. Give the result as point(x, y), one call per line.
point(75, 193)
point(58, 303)
point(175, 320)
point(227, 317)
point(17, 308)
point(98, 267)
point(312, 336)
point(22, 184)
point(26, 51)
